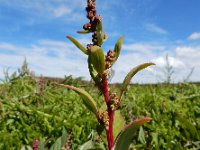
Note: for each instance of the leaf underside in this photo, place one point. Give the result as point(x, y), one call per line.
point(96, 59)
point(124, 139)
point(99, 34)
point(117, 48)
point(118, 124)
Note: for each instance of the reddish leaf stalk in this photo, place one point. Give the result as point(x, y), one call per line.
point(109, 129)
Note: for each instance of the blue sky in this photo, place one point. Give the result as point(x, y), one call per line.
point(36, 29)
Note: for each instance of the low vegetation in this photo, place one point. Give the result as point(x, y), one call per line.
point(33, 109)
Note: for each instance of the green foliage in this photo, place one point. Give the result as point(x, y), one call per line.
point(92, 143)
point(78, 45)
point(60, 142)
point(83, 31)
point(141, 135)
point(117, 48)
point(119, 123)
point(124, 139)
point(131, 73)
point(175, 116)
point(28, 113)
point(100, 34)
point(96, 59)
point(96, 64)
point(87, 98)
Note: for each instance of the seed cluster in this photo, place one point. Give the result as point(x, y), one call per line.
point(94, 20)
point(114, 101)
point(35, 145)
point(69, 141)
point(110, 57)
point(103, 118)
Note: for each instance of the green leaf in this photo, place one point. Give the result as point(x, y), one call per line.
point(78, 45)
point(57, 145)
point(129, 76)
point(100, 35)
point(91, 145)
point(124, 139)
point(86, 145)
point(141, 136)
point(188, 126)
point(64, 137)
point(155, 140)
point(117, 48)
point(119, 123)
point(93, 72)
point(83, 32)
point(96, 59)
point(87, 98)
point(60, 142)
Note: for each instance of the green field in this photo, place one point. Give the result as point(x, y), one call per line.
point(32, 108)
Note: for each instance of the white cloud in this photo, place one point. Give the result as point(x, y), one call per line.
point(143, 47)
point(181, 58)
point(66, 61)
point(126, 62)
point(174, 62)
point(47, 9)
point(155, 28)
point(57, 58)
point(190, 54)
point(194, 36)
point(61, 11)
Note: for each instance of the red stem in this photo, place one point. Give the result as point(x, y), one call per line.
point(109, 129)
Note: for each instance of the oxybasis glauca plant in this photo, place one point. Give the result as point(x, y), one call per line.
point(118, 135)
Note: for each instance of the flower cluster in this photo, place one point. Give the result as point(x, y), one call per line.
point(114, 101)
point(35, 145)
point(110, 57)
point(103, 118)
point(94, 20)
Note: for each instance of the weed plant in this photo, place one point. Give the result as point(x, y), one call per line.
point(110, 120)
point(40, 114)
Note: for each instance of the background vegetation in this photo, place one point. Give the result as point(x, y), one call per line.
point(31, 108)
